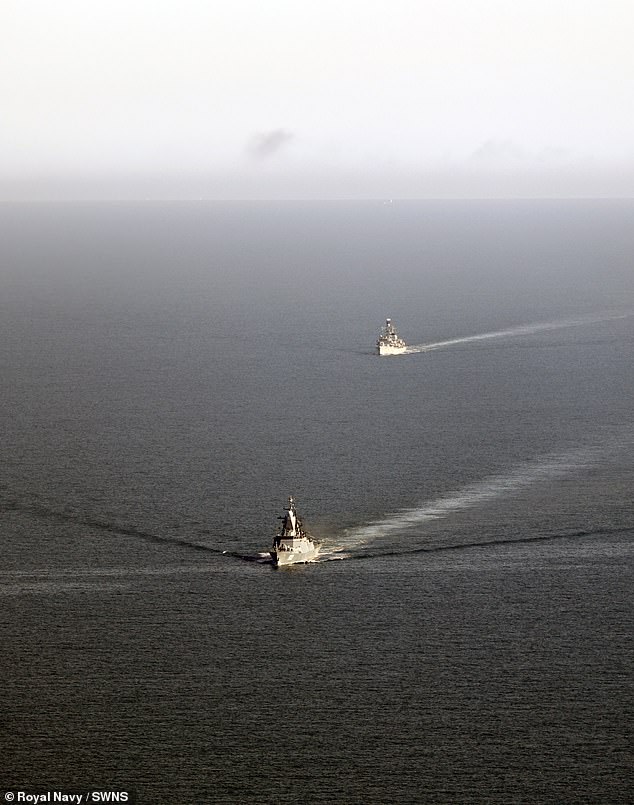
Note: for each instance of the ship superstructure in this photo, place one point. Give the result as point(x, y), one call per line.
point(292, 545)
point(390, 343)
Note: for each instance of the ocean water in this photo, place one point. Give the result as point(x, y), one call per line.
point(172, 372)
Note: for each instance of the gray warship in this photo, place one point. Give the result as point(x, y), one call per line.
point(390, 343)
point(292, 545)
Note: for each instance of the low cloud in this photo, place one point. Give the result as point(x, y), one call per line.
point(496, 151)
point(508, 154)
point(268, 143)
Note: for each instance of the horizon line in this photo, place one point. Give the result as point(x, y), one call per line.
point(385, 200)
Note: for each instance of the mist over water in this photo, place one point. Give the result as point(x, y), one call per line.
point(171, 373)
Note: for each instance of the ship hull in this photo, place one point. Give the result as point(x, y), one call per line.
point(385, 349)
point(287, 554)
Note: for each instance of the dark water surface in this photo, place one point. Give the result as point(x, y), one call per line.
point(171, 372)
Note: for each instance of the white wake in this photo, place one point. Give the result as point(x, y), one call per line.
point(520, 330)
point(496, 486)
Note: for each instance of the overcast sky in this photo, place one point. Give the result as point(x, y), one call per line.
point(319, 99)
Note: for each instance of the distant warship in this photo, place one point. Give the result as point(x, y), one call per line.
point(292, 545)
point(389, 342)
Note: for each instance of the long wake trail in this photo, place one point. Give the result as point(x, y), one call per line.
point(460, 546)
point(44, 512)
point(520, 330)
point(542, 470)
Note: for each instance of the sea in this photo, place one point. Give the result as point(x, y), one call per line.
point(173, 371)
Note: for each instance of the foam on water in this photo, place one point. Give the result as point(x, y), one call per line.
point(494, 487)
point(520, 330)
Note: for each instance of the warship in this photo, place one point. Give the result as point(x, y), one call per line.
point(389, 342)
point(292, 545)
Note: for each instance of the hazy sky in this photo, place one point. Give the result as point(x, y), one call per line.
point(328, 98)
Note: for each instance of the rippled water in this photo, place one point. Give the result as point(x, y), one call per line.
point(171, 373)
